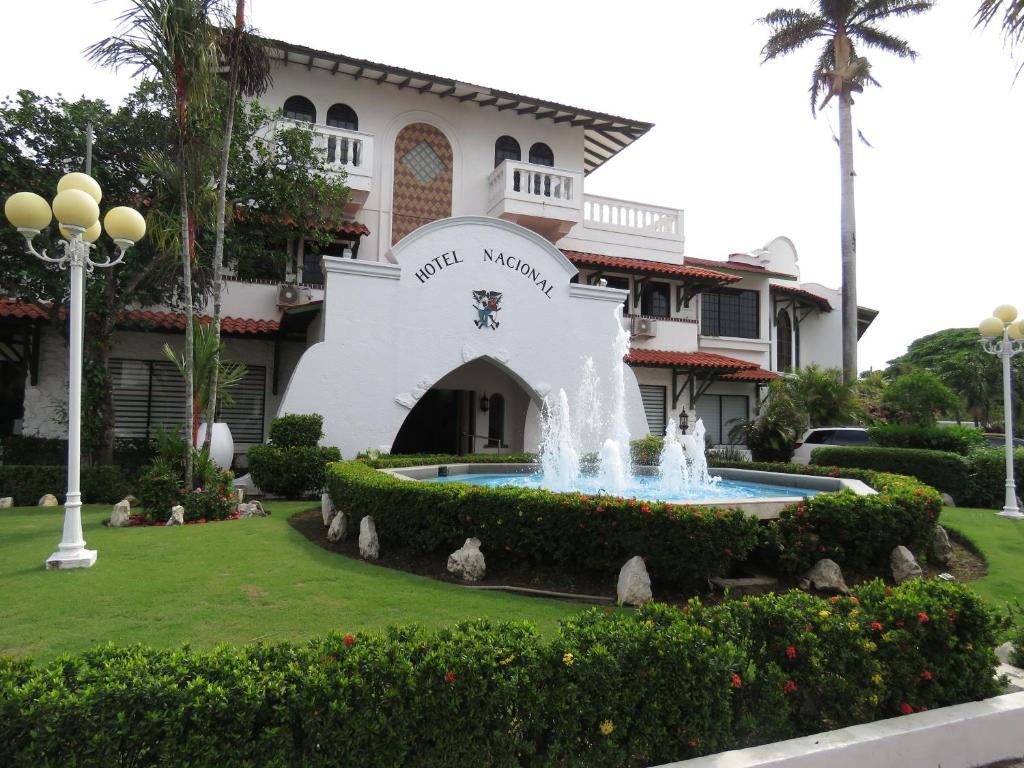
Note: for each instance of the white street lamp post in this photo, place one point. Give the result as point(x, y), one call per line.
point(1005, 338)
point(77, 209)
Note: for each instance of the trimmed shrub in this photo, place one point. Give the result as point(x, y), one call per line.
point(647, 450)
point(613, 689)
point(684, 545)
point(295, 430)
point(291, 472)
point(954, 439)
point(395, 460)
point(100, 484)
point(34, 450)
point(159, 488)
point(987, 483)
point(948, 472)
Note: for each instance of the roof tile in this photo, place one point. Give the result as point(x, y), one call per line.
point(646, 265)
point(660, 357)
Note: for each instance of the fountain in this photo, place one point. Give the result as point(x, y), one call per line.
point(615, 468)
point(672, 465)
point(559, 459)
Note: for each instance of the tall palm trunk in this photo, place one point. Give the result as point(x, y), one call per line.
point(186, 266)
point(848, 234)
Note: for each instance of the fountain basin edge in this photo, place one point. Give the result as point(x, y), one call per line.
point(763, 509)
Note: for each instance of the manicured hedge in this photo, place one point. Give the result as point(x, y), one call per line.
point(612, 689)
point(291, 472)
point(395, 460)
point(27, 484)
point(987, 486)
point(948, 472)
point(297, 429)
point(954, 439)
point(682, 545)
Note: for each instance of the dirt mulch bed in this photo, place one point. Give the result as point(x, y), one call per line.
point(965, 566)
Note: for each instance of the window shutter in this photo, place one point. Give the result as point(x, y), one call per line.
point(709, 408)
point(654, 407)
point(244, 416)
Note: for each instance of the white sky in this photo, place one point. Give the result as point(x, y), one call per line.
point(938, 197)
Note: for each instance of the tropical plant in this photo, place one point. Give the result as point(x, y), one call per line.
point(773, 431)
point(918, 398)
point(824, 397)
point(840, 72)
point(175, 40)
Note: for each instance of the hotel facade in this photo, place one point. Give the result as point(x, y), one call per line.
point(471, 277)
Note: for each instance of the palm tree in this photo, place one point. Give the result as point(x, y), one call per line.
point(1012, 23)
point(249, 75)
point(839, 72)
point(174, 40)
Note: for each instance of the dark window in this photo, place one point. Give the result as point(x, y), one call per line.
point(653, 397)
point(541, 154)
point(342, 116)
point(506, 148)
point(654, 300)
point(783, 342)
point(850, 437)
point(300, 108)
point(721, 414)
point(341, 149)
point(820, 437)
point(623, 284)
point(496, 421)
point(730, 312)
point(312, 272)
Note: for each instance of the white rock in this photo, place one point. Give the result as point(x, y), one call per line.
point(468, 562)
point(634, 586)
point(948, 501)
point(825, 575)
point(6, 502)
point(941, 550)
point(119, 517)
point(904, 566)
point(177, 516)
point(326, 508)
point(49, 500)
point(239, 494)
point(252, 509)
point(369, 544)
point(338, 529)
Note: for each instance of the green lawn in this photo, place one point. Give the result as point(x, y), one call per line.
point(232, 582)
point(1002, 542)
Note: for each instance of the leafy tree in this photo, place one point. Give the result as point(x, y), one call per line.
point(868, 391)
point(919, 397)
point(840, 72)
point(822, 396)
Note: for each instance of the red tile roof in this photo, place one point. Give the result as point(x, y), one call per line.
point(820, 301)
point(759, 374)
point(737, 266)
point(15, 308)
point(659, 357)
point(345, 227)
point(647, 266)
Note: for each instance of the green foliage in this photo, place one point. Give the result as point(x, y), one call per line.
point(987, 484)
point(33, 449)
point(772, 433)
point(101, 483)
point(608, 690)
point(215, 500)
point(207, 358)
point(647, 450)
point(592, 533)
point(292, 473)
point(822, 396)
point(919, 397)
point(393, 461)
point(297, 430)
point(159, 488)
point(948, 472)
point(954, 439)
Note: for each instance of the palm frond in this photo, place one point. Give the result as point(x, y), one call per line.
point(791, 29)
point(826, 62)
point(875, 10)
point(873, 37)
point(1012, 12)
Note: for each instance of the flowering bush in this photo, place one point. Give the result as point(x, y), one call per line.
point(644, 688)
point(217, 502)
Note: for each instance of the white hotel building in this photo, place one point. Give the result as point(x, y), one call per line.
point(471, 278)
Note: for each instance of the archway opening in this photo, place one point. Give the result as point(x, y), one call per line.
point(477, 408)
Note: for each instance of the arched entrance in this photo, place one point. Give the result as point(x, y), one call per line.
point(480, 407)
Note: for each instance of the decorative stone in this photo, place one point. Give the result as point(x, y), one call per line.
point(239, 495)
point(369, 544)
point(119, 517)
point(49, 500)
point(6, 502)
point(941, 550)
point(252, 509)
point(338, 529)
point(634, 586)
point(948, 501)
point(826, 576)
point(904, 566)
point(326, 508)
point(177, 516)
point(468, 562)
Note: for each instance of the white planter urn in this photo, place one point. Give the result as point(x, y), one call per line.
point(222, 445)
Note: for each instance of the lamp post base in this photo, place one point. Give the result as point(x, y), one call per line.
point(61, 561)
point(1012, 513)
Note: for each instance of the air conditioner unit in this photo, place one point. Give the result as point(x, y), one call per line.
point(644, 327)
point(289, 295)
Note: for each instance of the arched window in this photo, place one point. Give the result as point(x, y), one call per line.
point(541, 154)
point(496, 421)
point(783, 342)
point(343, 116)
point(300, 108)
point(506, 148)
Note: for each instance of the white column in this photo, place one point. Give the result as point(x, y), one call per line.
point(1010, 508)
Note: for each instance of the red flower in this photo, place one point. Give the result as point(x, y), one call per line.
point(791, 651)
point(694, 742)
point(835, 599)
point(736, 680)
point(789, 687)
point(348, 640)
point(599, 509)
point(923, 617)
point(906, 709)
point(728, 552)
point(876, 625)
point(449, 677)
point(926, 675)
point(645, 509)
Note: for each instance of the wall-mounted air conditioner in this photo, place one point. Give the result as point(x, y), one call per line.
point(290, 295)
point(644, 327)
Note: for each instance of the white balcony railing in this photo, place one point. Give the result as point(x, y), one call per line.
point(634, 218)
point(525, 182)
point(351, 151)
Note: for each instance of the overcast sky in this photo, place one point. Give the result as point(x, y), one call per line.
point(938, 196)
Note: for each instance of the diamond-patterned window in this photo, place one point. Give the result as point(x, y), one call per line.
point(424, 163)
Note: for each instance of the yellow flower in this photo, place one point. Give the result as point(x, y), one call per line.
point(507, 660)
point(568, 659)
point(607, 727)
point(852, 626)
point(855, 612)
point(869, 646)
point(874, 701)
point(876, 679)
point(823, 614)
point(649, 623)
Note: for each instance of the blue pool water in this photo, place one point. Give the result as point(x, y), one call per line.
point(645, 488)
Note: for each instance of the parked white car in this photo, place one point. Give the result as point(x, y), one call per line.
point(819, 437)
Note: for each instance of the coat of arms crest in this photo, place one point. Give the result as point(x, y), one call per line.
point(486, 305)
